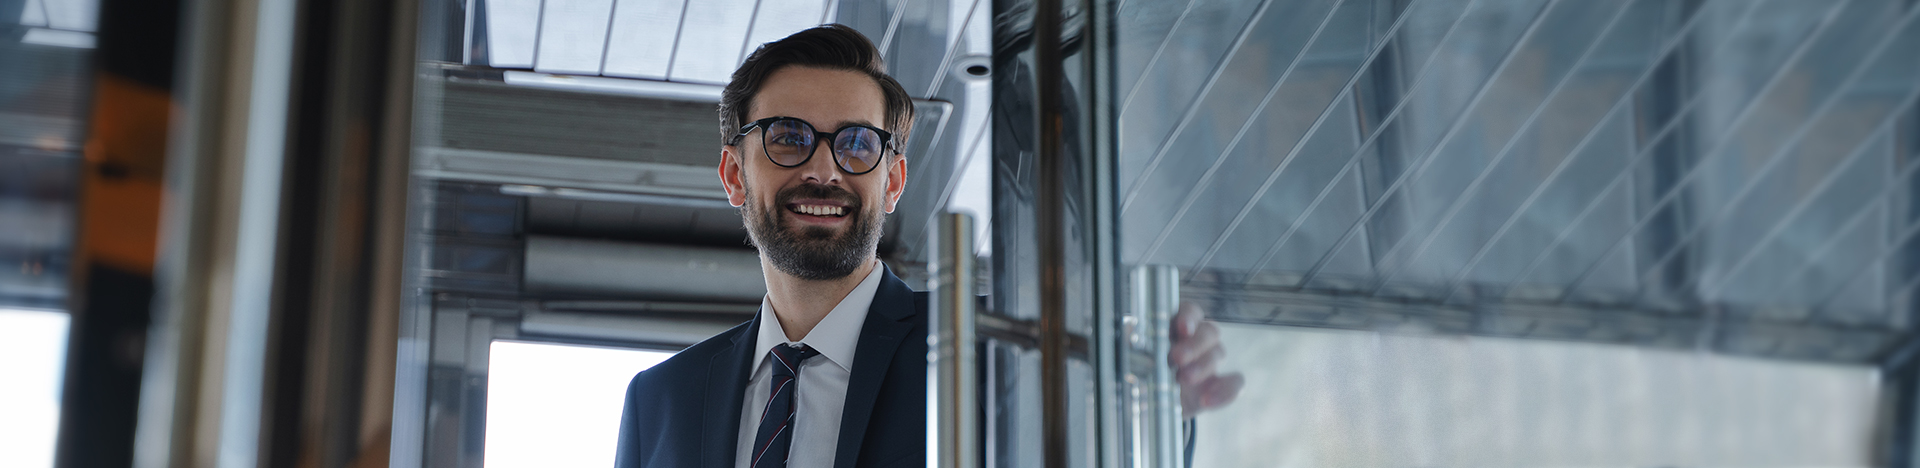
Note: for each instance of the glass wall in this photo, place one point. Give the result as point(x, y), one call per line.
point(1529, 232)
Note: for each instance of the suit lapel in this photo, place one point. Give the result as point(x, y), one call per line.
point(726, 386)
point(888, 323)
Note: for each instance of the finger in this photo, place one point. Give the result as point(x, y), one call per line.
point(1216, 392)
point(1198, 371)
point(1221, 390)
point(1204, 340)
point(1185, 319)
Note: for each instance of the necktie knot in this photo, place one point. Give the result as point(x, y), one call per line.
point(787, 359)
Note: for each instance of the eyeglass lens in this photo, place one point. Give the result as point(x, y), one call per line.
point(855, 149)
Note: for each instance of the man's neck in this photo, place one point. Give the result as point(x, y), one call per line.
point(799, 304)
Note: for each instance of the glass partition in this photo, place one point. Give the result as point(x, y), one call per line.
point(1526, 232)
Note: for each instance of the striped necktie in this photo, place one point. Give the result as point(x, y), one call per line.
point(776, 422)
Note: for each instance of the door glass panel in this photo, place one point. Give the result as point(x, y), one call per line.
point(1524, 232)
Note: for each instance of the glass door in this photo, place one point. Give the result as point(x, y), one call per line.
point(1452, 233)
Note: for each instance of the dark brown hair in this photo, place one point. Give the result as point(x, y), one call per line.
point(832, 46)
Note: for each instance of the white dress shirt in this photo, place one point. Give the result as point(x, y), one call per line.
point(821, 391)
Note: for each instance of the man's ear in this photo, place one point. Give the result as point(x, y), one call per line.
point(732, 177)
point(896, 180)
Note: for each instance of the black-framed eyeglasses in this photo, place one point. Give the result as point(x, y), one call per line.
point(789, 142)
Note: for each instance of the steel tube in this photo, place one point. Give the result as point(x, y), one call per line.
point(952, 367)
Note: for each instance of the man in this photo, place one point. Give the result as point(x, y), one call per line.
point(832, 371)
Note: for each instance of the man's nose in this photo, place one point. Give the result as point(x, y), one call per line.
point(821, 168)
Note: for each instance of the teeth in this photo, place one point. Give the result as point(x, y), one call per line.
point(819, 210)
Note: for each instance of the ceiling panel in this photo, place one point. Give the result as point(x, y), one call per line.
point(642, 40)
point(711, 38)
point(673, 40)
point(573, 36)
point(511, 26)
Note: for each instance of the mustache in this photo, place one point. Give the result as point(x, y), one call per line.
point(817, 191)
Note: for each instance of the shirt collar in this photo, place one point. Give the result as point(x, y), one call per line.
point(836, 334)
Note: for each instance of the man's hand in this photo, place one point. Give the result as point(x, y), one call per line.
point(1195, 357)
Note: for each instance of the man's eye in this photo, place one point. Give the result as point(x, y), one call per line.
point(788, 140)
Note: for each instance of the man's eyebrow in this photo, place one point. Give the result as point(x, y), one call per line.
point(850, 123)
point(836, 127)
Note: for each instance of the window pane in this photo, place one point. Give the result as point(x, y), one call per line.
point(1517, 232)
point(557, 405)
point(35, 346)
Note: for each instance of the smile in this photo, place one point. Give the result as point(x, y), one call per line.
point(819, 210)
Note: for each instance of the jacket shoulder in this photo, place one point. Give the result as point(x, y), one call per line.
point(683, 367)
point(662, 401)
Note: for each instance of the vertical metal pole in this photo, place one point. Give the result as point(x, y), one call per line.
point(1110, 331)
point(1152, 406)
point(952, 365)
point(1050, 219)
point(203, 397)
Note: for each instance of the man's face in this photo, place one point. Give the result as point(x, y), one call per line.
point(814, 221)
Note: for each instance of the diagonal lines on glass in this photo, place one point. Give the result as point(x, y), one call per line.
point(1665, 132)
point(1746, 112)
point(1165, 41)
point(1426, 159)
point(1780, 156)
point(1532, 121)
point(1898, 243)
point(893, 26)
point(1186, 118)
point(953, 48)
point(1844, 232)
point(1459, 281)
point(1220, 161)
point(1371, 140)
point(1326, 113)
point(1740, 170)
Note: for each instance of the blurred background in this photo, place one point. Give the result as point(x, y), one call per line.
point(1431, 232)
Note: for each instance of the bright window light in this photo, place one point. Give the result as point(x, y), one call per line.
point(34, 344)
point(554, 405)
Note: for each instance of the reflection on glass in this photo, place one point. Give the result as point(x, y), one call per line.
point(1530, 232)
point(557, 405)
point(34, 344)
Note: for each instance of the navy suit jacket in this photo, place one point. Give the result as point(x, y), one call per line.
point(685, 412)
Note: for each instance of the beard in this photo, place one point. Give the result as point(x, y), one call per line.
point(813, 253)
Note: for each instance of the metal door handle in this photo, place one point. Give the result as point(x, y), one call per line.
point(952, 380)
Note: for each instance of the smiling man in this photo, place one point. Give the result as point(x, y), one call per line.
point(832, 371)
